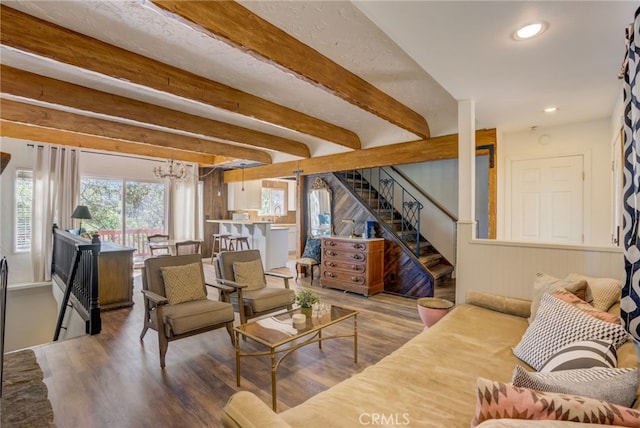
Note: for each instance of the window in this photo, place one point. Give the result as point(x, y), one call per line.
point(274, 198)
point(123, 211)
point(24, 197)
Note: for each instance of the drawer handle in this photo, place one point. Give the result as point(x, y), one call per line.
point(359, 246)
point(357, 257)
point(331, 243)
point(331, 264)
point(356, 279)
point(354, 267)
point(331, 274)
point(332, 253)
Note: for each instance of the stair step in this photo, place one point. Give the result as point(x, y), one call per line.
point(366, 193)
point(430, 260)
point(441, 270)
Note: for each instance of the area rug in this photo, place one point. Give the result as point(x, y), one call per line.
point(24, 394)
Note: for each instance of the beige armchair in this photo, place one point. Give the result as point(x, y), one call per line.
point(245, 286)
point(176, 303)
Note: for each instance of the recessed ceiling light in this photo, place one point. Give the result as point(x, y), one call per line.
point(529, 31)
point(551, 109)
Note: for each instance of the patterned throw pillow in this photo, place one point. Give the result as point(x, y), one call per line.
point(497, 400)
point(249, 274)
point(583, 354)
point(312, 249)
point(548, 284)
point(617, 386)
point(558, 324)
point(567, 296)
point(183, 283)
point(606, 291)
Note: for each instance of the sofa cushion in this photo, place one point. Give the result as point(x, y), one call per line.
point(567, 296)
point(583, 354)
point(498, 400)
point(190, 316)
point(606, 291)
point(617, 386)
point(504, 304)
point(250, 274)
point(265, 299)
point(183, 283)
point(557, 324)
point(548, 284)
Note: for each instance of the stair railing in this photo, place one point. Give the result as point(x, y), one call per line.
point(391, 202)
point(75, 264)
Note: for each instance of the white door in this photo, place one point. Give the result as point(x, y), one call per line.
point(547, 199)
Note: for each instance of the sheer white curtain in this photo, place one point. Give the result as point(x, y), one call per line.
point(184, 207)
point(56, 185)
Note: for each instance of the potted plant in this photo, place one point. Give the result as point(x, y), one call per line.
point(305, 298)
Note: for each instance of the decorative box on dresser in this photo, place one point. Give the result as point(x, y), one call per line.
point(353, 264)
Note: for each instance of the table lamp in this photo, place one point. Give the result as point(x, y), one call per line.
point(82, 213)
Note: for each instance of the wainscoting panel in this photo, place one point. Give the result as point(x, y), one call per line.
point(509, 268)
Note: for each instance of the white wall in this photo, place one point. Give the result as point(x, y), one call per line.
point(31, 316)
point(591, 139)
point(509, 268)
point(21, 157)
point(97, 164)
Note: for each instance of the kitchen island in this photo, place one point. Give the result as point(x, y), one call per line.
point(269, 238)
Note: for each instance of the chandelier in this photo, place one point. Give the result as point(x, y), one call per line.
point(173, 170)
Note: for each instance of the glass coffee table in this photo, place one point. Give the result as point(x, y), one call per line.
point(278, 333)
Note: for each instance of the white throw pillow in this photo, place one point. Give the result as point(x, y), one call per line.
point(558, 324)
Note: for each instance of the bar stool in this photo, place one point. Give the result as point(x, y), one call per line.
point(237, 243)
point(221, 239)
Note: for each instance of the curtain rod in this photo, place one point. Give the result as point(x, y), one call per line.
point(104, 153)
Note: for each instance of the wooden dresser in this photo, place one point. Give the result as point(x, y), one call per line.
point(353, 264)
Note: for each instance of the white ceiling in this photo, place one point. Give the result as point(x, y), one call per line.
point(467, 46)
point(426, 54)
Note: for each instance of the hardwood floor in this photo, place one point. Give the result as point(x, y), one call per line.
point(114, 380)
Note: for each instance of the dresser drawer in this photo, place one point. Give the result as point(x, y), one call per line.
point(346, 256)
point(344, 277)
point(345, 245)
point(356, 267)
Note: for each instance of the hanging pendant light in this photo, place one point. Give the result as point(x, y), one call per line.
point(242, 167)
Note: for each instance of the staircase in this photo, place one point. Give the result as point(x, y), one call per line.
point(398, 211)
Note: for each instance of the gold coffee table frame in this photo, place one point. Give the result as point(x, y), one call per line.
point(278, 331)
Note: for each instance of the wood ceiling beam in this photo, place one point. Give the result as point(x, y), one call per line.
point(438, 148)
point(39, 134)
point(241, 28)
point(14, 111)
point(30, 34)
point(35, 87)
